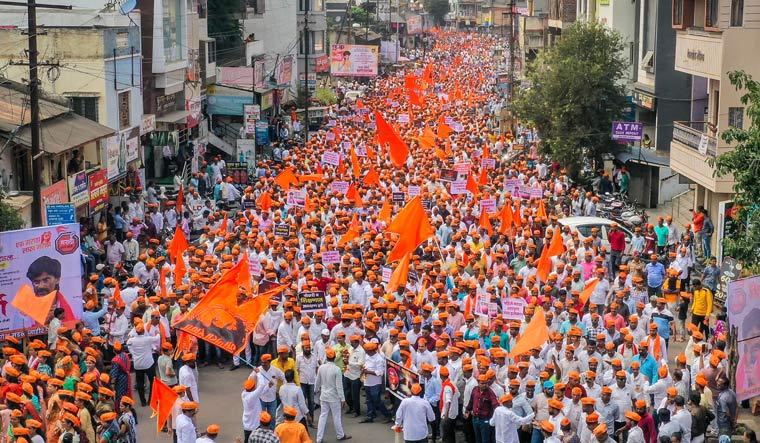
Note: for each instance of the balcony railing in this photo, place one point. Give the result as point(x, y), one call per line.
point(695, 135)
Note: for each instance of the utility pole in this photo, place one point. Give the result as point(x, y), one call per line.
point(512, 42)
point(34, 102)
point(307, 42)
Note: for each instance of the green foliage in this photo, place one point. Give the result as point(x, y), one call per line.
point(743, 162)
point(10, 219)
point(438, 9)
point(326, 96)
point(361, 15)
point(577, 91)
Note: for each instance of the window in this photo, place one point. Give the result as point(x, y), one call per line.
point(87, 107)
point(317, 5)
point(737, 12)
point(315, 40)
point(711, 13)
point(174, 24)
point(211, 52)
point(124, 110)
point(258, 6)
point(736, 117)
point(677, 12)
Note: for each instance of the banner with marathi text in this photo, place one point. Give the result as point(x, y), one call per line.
point(399, 380)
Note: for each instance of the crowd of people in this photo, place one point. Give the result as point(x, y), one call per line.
point(606, 372)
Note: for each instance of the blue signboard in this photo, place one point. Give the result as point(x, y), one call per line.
point(228, 104)
point(262, 133)
point(60, 214)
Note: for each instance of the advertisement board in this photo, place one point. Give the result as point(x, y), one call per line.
point(413, 24)
point(399, 379)
point(98, 190)
point(79, 193)
point(56, 193)
point(40, 271)
point(60, 214)
point(285, 71)
point(627, 131)
point(353, 60)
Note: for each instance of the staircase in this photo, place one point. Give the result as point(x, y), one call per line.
point(222, 144)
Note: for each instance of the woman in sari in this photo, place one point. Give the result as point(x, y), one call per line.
point(120, 377)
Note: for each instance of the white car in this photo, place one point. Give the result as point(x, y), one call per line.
point(584, 225)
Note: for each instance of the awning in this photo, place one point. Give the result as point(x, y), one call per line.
point(65, 132)
point(174, 117)
point(635, 154)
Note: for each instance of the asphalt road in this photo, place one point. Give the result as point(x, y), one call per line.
point(220, 404)
point(219, 392)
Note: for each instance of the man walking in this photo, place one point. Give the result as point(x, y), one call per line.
point(329, 387)
point(409, 413)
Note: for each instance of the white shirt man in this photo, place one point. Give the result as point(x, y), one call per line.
point(189, 379)
point(251, 397)
point(329, 387)
point(506, 421)
point(409, 414)
point(292, 395)
point(185, 428)
point(141, 348)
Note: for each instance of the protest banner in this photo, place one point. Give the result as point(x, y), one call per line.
point(397, 197)
point(331, 157)
point(296, 198)
point(312, 301)
point(282, 230)
point(458, 187)
point(40, 270)
point(339, 186)
point(449, 175)
point(489, 205)
point(513, 308)
point(399, 380)
point(387, 272)
point(462, 168)
point(403, 118)
point(413, 191)
point(488, 163)
point(330, 257)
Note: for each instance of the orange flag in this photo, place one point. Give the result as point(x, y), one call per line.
point(400, 274)
point(318, 177)
point(541, 211)
point(415, 99)
point(506, 217)
point(285, 178)
point(385, 212)
point(341, 167)
point(264, 201)
point(421, 294)
point(485, 222)
point(117, 294)
point(179, 271)
point(356, 169)
point(486, 151)
point(544, 265)
point(444, 130)
point(413, 227)
point(371, 178)
point(427, 139)
point(534, 336)
point(348, 236)
point(483, 177)
point(244, 276)
point(386, 134)
point(178, 245)
point(223, 226)
point(319, 169)
point(517, 214)
point(162, 280)
point(447, 149)
point(441, 155)
point(34, 307)
point(162, 399)
point(588, 290)
point(472, 186)
point(557, 246)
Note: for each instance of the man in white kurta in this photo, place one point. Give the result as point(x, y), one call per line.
point(506, 421)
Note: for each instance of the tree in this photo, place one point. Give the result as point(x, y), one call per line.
point(10, 219)
point(225, 28)
point(438, 9)
point(743, 161)
point(576, 92)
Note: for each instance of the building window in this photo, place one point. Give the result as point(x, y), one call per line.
point(211, 52)
point(124, 110)
point(317, 5)
point(677, 12)
point(87, 107)
point(736, 117)
point(737, 12)
point(174, 28)
point(711, 13)
point(258, 6)
point(318, 38)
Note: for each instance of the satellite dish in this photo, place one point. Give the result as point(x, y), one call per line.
point(126, 6)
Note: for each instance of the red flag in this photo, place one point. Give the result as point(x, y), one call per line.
point(400, 274)
point(484, 222)
point(413, 227)
point(399, 151)
point(285, 178)
point(536, 334)
point(341, 168)
point(319, 169)
point(483, 177)
point(506, 217)
point(180, 199)
point(415, 99)
point(162, 399)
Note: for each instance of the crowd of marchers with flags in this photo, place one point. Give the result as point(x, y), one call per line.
point(407, 260)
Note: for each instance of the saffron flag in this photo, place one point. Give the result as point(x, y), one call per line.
point(517, 215)
point(557, 246)
point(244, 276)
point(535, 335)
point(371, 178)
point(385, 211)
point(399, 151)
point(162, 280)
point(541, 210)
point(355, 168)
point(178, 245)
point(162, 399)
point(413, 227)
point(544, 266)
point(444, 130)
point(400, 274)
point(588, 290)
point(318, 177)
point(285, 178)
point(34, 307)
point(472, 186)
point(264, 201)
point(506, 218)
point(218, 319)
point(117, 295)
point(427, 139)
point(421, 294)
point(180, 269)
point(485, 222)
point(180, 200)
